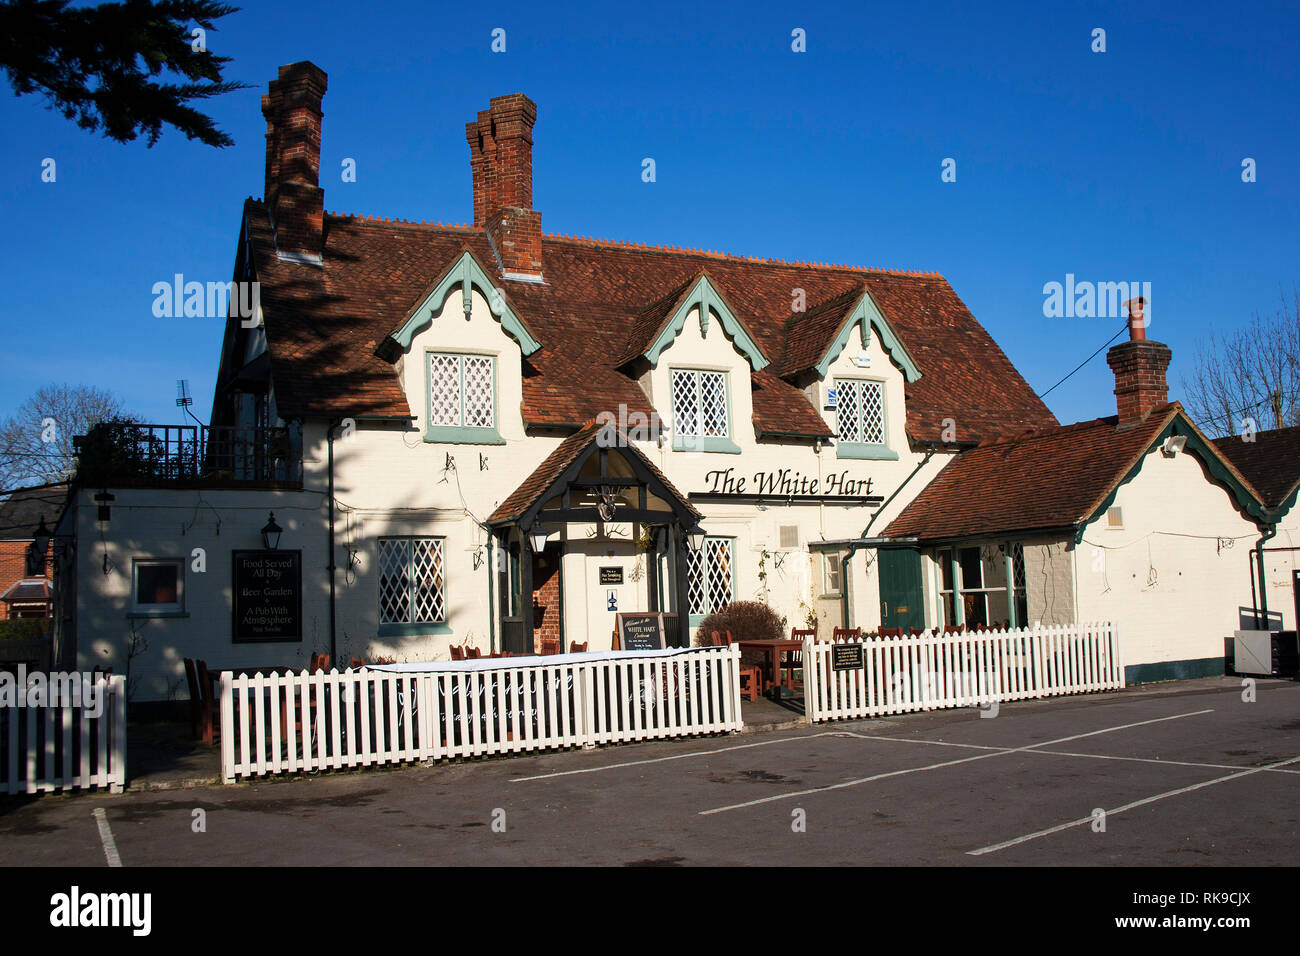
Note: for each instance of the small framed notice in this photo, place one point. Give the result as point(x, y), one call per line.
point(641, 631)
point(612, 575)
point(847, 657)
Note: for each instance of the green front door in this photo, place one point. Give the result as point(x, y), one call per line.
point(900, 588)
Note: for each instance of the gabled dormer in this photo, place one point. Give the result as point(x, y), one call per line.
point(853, 366)
point(695, 358)
point(459, 352)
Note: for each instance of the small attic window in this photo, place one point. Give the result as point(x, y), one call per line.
point(1114, 518)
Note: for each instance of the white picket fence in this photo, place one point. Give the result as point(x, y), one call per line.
point(294, 723)
point(975, 668)
point(67, 746)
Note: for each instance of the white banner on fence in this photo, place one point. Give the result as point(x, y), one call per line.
point(308, 722)
point(969, 669)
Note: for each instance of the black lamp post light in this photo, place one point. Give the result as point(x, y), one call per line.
point(271, 533)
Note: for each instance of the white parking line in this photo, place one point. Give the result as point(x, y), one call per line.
point(946, 763)
point(106, 837)
point(694, 753)
point(1128, 806)
point(1067, 753)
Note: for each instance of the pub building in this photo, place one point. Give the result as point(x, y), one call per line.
point(434, 435)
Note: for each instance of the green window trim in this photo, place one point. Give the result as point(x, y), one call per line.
point(695, 443)
point(721, 444)
point(461, 434)
point(414, 630)
point(866, 451)
point(859, 451)
point(695, 620)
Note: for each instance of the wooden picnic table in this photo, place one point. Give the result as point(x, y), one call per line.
point(773, 649)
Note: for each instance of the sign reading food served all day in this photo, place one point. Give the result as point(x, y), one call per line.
point(641, 631)
point(267, 596)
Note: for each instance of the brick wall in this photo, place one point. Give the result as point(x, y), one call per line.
point(546, 603)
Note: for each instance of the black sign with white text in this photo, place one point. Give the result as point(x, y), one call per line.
point(266, 588)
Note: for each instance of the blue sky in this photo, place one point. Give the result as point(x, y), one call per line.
point(1122, 165)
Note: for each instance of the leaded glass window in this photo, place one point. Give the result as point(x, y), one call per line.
point(860, 411)
point(412, 581)
point(462, 390)
point(710, 576)
point(700, 403)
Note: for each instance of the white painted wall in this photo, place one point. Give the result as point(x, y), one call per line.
point(1166, 578)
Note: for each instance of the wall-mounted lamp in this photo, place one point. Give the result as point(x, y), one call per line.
point(104, 499)
point(695, 538)
point(43, 540)
point(537, 538)
point(271, 534)
point(1173, 445)
point(817, 447)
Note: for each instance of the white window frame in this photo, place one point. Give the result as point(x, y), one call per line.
point(158, 610)
point(827, 590)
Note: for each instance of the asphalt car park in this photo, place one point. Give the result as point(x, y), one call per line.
point(1185, 774)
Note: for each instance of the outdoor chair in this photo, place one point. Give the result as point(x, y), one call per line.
point(472, 653)
point(794, 662)
point(891, 632)
point(550, 646)
point(751, 675)
point(203, 704)
point(846, 634)
point(576, 648)
point(358, 663)
point(457, 652)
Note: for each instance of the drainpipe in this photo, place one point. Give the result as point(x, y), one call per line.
point(329, 436)
point(928, 455)
point(492, 604)
point(1261, 611)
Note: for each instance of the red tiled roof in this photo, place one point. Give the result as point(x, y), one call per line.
point(1271, 462)
point(545, 474)
point(1055, 478)
point(323, 325)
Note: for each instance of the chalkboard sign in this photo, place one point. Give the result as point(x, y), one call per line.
point(847, 657)
point(611, 575)
point(266, 588)
point(641, 631)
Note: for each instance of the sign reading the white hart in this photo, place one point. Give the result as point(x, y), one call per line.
point(267, 592)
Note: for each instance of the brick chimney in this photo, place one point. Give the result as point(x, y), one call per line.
point(292, 107)
point(1139, 366)
point(501, 158)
